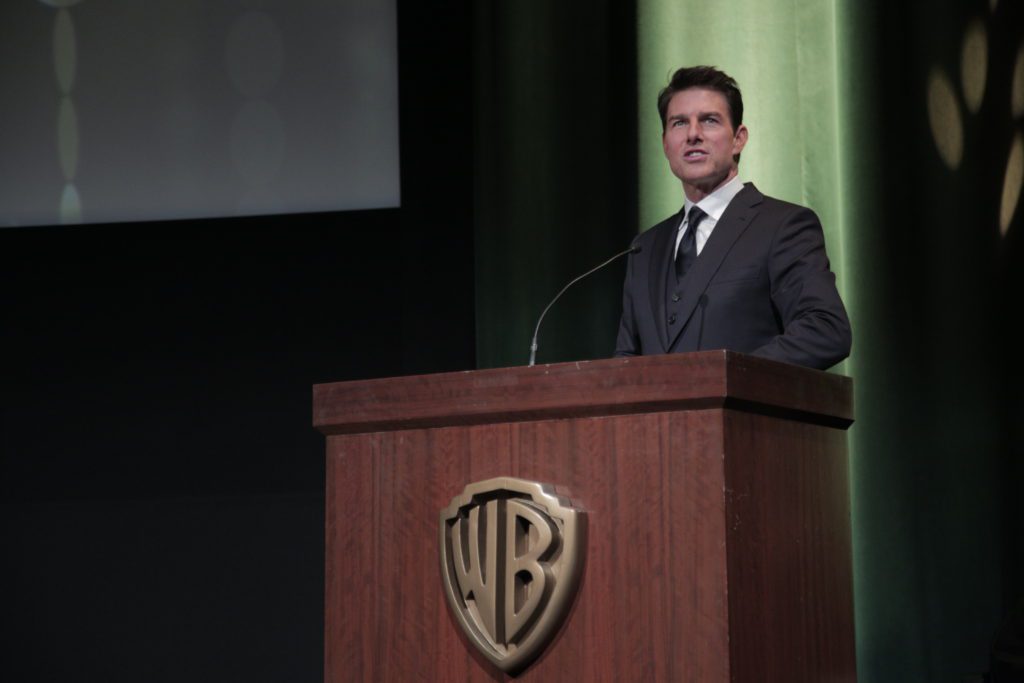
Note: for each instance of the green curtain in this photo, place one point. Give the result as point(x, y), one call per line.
point(835, 96)
point(569, 166)
point(784, 56)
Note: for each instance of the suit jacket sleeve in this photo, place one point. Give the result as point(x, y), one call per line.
point(815, 328)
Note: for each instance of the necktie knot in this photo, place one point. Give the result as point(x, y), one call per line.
point(694, 218)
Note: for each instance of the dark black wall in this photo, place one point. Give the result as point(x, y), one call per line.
point(161, 486)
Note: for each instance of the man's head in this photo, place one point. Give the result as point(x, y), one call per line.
point(702, 134)
point(707, 78)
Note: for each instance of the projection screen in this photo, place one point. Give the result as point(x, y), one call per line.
point(120, 110)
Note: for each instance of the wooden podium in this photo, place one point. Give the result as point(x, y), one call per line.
point(716, 491)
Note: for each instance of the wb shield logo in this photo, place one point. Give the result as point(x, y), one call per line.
point(511, 558)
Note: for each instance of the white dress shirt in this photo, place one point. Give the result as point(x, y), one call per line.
point(714, 206)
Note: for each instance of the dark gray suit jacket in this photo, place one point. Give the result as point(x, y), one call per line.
point(761, 285)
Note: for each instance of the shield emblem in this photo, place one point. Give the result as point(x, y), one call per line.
point(512, 555)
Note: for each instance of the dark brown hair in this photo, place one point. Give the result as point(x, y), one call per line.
point(709, 78)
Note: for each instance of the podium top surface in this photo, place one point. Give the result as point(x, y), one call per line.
point(616, 386)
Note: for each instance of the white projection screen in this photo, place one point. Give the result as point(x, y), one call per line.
point(138, 110)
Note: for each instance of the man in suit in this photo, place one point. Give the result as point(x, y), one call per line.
point(734, 269)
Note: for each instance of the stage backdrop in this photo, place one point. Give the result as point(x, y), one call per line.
point(901, 126)
point(896, 124)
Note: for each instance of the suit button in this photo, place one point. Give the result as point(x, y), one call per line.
point(675, 296)
point(671, 320)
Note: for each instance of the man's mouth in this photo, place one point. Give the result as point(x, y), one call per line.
point(695, 154)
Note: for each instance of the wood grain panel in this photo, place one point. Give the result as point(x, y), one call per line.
point(790, 567)
point(351, 546)
point(615, 386)
point(719, 541)
point(652, 600)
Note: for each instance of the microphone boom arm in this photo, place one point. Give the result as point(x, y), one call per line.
point(533, 345)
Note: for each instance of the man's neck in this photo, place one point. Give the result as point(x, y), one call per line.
point(695, 193)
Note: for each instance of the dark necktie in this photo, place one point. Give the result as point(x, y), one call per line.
point(687, 252)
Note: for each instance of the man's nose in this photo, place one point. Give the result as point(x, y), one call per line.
point(693, 131)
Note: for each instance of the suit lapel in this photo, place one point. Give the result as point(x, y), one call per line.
point(659, 270)
point(737, 217)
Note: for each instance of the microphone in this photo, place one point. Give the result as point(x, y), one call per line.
point(633, 249)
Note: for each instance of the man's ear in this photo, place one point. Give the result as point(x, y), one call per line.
point(739, 140)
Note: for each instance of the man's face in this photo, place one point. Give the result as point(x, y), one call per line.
point(700, 142)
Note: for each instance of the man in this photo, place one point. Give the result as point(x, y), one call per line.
point(734, 269)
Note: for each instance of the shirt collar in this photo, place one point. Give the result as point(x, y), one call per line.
point(714, 204)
